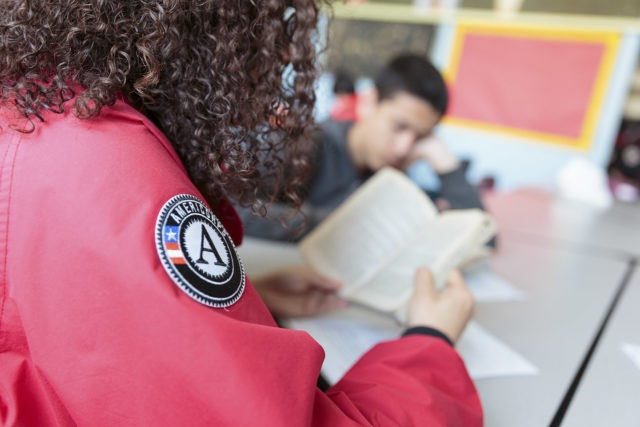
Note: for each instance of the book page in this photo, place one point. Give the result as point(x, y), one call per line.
point(442, 245)
point(368, 230)
point(461, 235)
point(392, 286)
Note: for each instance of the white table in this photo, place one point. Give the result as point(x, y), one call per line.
point(568, 294)
point(609, 393)
point(536, 215)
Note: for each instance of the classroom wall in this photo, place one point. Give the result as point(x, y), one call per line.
point(587, 7)
point(518, 161)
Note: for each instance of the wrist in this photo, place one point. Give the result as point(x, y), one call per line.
point(445, 164)
point(429, 331)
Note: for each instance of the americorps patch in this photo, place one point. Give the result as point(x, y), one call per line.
point(197, 252)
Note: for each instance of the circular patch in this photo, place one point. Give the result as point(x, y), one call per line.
point(197, 252)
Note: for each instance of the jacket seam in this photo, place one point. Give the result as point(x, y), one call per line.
point(12, 151)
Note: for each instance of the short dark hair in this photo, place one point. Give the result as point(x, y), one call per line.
point(343, 83)
point(416, 75)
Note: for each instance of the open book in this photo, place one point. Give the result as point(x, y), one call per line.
point(377, 238)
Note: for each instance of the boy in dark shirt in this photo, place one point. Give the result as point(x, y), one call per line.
point(394, 129)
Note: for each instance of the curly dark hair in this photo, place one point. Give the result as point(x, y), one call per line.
point(229, 82)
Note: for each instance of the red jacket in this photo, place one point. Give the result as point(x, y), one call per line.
point(102, 322)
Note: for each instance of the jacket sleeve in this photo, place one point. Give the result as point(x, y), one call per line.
point(423, 372)
point(26, 398)
point(458, 191)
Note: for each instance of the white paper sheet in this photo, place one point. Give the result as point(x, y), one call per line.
point(347, 335)
point(633, 352)
point(486, 356)
point(487, 286)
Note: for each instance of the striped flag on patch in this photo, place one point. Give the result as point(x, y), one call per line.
point(172, 246)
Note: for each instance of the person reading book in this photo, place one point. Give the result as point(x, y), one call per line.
point(375, 240)
point(395, 128)
point(125, 129)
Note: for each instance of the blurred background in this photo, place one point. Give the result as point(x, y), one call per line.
point(545, 93)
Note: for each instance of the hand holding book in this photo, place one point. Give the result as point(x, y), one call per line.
point(447, 311)
point(376, 240)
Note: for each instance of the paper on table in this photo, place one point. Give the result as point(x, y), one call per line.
point(633, 351)
point(345, 337)
point(348, 334)
point(486, 356)
point(487, 286)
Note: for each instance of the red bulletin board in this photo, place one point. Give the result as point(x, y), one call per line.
point(545, 84)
